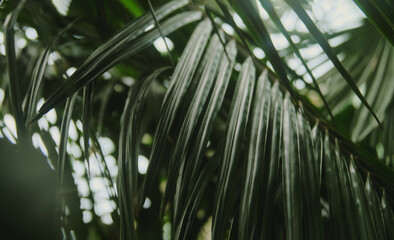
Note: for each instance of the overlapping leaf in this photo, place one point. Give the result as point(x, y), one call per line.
point(211, 63)
point(388, 216)
point(230, 162)
point(256, 157)
point(310, 159)
point(273, 163)
point(291, 176)
point(380, 13)
point(190, 174)
point(128, 154)
point(123, 45)
point(376, 210)
point(269, 184)
point(12, 69)
point(302, 14)
point(175, 94)
point(38, 75)
point(249, 13)
point(64, 135)
point(275, 18)
point(364, 217)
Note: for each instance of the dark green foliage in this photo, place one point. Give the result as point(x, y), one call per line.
point(230, 141)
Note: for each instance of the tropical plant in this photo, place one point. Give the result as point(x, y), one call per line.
point(236, 148)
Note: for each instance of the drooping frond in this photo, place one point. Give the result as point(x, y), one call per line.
point(232, 145)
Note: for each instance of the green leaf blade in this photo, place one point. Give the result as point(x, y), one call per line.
point(273, 175)
point(376, 210)
point(388, 216)
point(302, 14)
point(310, 180)
point(290, 172)
point(12, 70)
point(180, 81)
point(125, 44)
point(214, 51)
point(238, 116)
point(251, 192)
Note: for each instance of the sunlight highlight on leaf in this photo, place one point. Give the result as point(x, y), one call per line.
point(143, 164)
point(160, 45)
point(62, 6)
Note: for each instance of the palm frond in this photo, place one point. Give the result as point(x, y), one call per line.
point(12, 69)
point(380, 12)
point(232, 145)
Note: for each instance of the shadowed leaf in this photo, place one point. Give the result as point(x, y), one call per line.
point(301, 13)
point(238, 116)
point(13, 71)
point(175, 94)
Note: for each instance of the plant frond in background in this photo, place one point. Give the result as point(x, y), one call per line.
point(372, 69)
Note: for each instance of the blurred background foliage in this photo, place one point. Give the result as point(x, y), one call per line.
point(83, 81)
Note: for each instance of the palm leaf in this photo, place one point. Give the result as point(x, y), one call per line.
point(249, 14)
point(255, 167)
point(227, 146)
point(128, 154)
point(273, 162)
point(275, 18)
point(178, 159)
point(291, 180)
point(12, 69)
point(301, 13)
point(175, 93)
point(190, 174)
point(87, 99)
point(64, 135)
point(387, 215)
point(363, 211)
point(310, 162)
point(224, 199)
point(380, 12)
point(118, 48)
point(376, 210)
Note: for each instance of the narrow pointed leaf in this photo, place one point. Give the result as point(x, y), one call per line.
point(192, 168)
point(12, 69)
point(376, 210)
point(275, 18)
point(380, 94)
point(191, 207)
point(255, 159)
point(291, 173)
point(309, 180)
point(214, 51)
point(68, 110)
point(348, 197)
point(231, 21)
point(301, 13)
point(336, 204)
point(87, 98)
point(230, 162)
point(115, 51)
point(250, 15)
point(273, 174)
point(366, 226)
point(38, 74)
point(318, 151)
point(380, 13)
point(128, 153)
point(388, 216)
point(125, 190)
point(180, 81)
